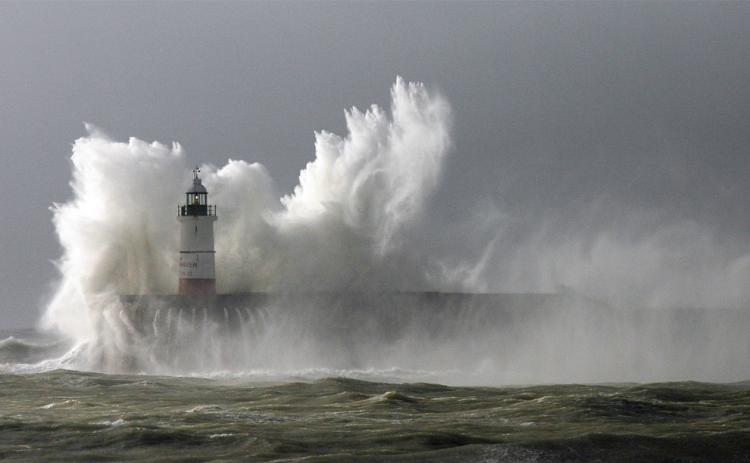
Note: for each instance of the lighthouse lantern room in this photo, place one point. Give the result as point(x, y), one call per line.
point(197, 217)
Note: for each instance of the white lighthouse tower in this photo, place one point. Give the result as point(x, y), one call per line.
point(196, 217)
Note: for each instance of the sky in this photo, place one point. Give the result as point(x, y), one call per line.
point(571, 118)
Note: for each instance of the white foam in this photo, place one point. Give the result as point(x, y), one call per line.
point(348, 224)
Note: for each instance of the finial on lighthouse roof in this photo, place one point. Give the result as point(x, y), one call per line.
point(197, 184)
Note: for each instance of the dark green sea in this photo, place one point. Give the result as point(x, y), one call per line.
point(76, 416)
point(380, 382)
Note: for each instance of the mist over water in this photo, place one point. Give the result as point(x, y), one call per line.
point(356, 222)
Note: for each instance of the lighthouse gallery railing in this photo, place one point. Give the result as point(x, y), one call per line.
point(197, 209)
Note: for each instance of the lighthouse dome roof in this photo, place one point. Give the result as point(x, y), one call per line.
point(197, 187)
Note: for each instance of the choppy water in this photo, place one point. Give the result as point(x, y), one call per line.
point(63, 415)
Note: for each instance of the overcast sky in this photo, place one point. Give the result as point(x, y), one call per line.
point(557, 106)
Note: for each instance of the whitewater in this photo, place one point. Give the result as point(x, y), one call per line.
point(371, 341)
point(356, 224)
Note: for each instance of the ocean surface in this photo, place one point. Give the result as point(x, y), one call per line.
point(65, 415)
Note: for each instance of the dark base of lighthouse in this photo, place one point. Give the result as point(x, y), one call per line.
point(197, 287)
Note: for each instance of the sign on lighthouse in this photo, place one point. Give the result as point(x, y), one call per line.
point(196, 217)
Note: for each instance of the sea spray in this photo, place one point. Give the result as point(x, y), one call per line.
point(352, 227)
point(346, 225)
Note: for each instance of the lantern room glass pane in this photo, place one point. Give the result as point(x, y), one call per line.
point(196, 203)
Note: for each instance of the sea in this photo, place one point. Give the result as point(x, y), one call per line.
point(55, 414)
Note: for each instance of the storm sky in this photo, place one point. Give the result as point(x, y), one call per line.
point(568, 117)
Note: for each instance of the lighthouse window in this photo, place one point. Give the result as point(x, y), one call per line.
point(197, 199)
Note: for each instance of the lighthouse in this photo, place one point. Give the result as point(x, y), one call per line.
point(196, 217)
